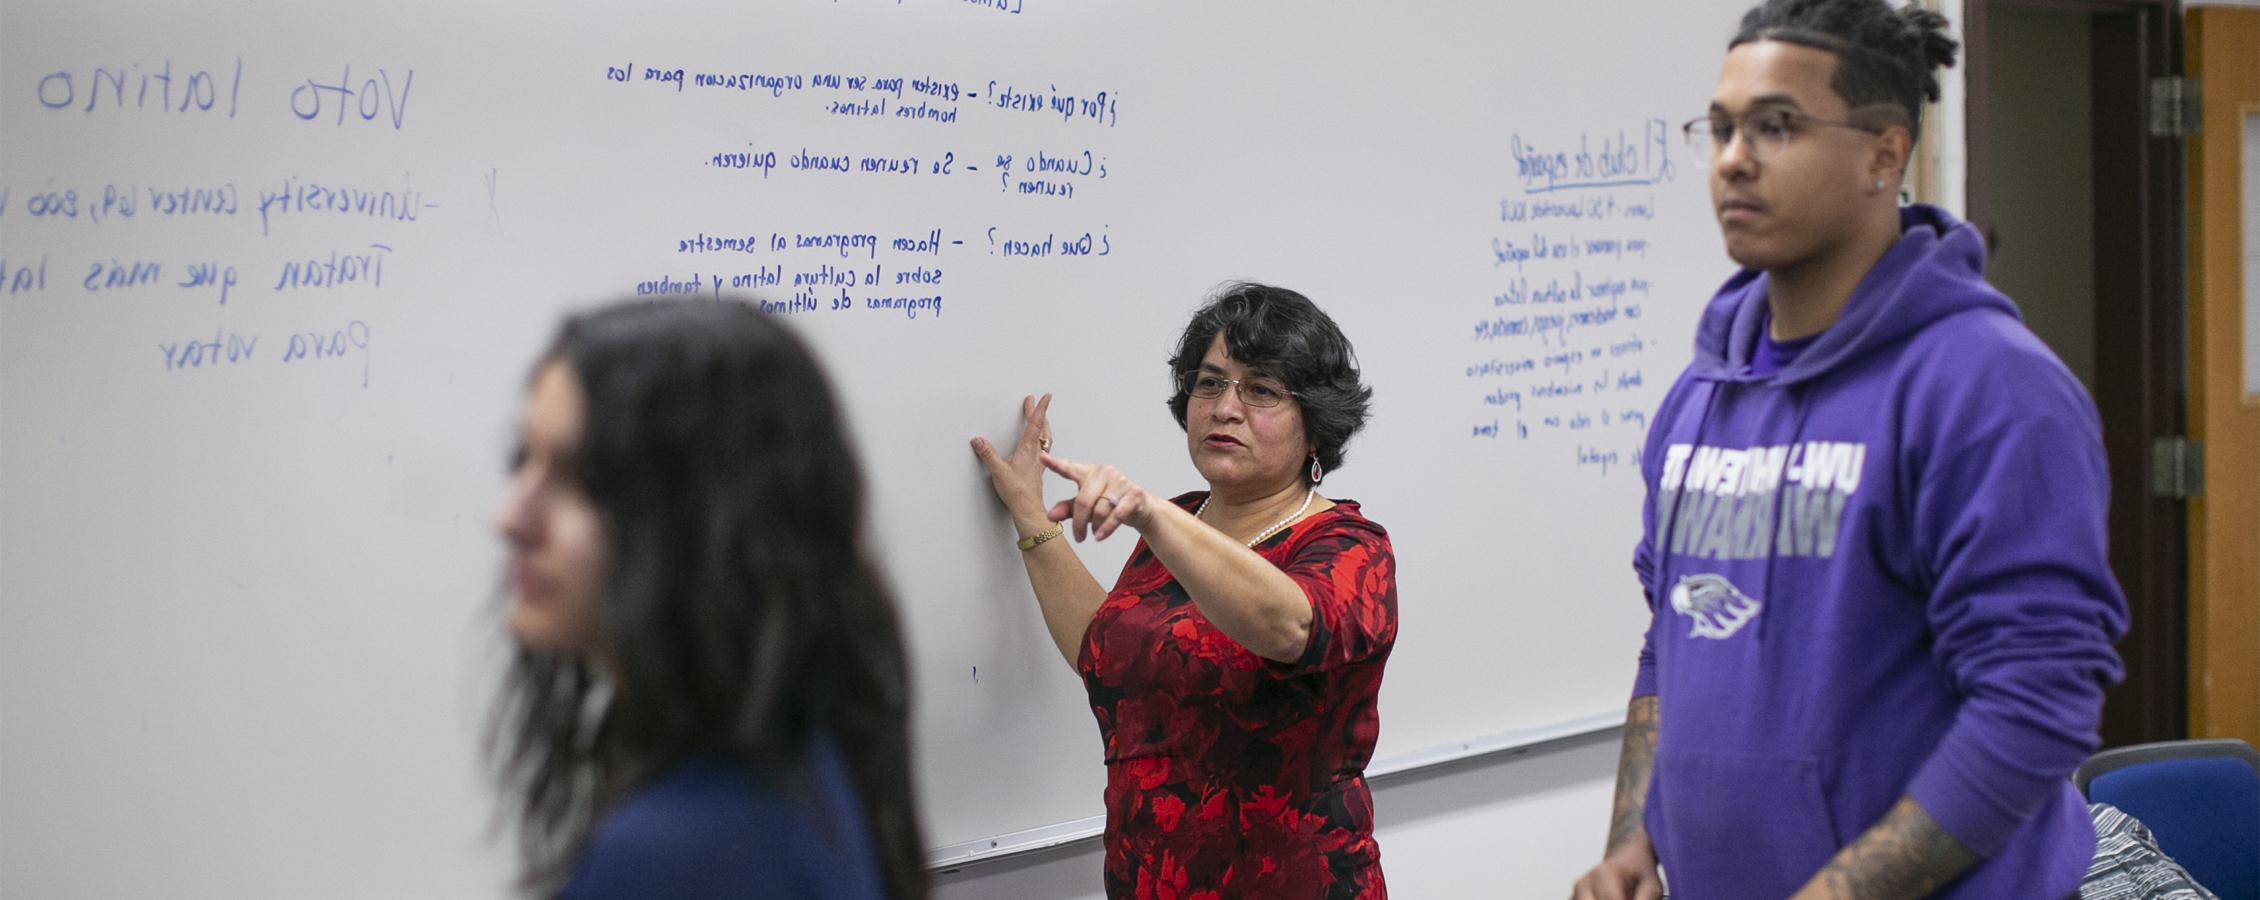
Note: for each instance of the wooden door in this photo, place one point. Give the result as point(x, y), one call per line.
point(2222, 48)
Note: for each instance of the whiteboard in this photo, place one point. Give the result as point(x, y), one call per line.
point(272, 275)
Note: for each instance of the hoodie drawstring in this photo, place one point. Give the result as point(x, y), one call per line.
point(1679, 495)
point(1801, 396)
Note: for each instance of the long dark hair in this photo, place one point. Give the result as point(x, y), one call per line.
point(739, 610)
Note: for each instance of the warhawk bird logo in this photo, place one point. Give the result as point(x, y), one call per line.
point(1719, 610)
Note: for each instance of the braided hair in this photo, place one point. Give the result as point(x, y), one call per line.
point(1885, 57)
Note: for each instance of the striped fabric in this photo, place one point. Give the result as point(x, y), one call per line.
point(2129, 866)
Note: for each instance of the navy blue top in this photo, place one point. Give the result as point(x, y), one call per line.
point(712, 828)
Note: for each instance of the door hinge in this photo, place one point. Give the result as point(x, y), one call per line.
point(2177, 468)
point(2174, 107)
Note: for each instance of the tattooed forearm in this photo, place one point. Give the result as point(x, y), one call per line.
point(1907, 855)
point(1634, 764)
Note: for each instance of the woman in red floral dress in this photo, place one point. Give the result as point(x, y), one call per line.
point(1235, 665)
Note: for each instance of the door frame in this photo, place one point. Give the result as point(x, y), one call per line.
point(2140, 356)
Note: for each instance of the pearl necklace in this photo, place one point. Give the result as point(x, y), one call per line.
point(1308, 495)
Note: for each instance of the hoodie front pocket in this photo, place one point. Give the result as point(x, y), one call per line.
point(1737, 827)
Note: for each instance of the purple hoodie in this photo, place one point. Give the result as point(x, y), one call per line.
point(1879, 572)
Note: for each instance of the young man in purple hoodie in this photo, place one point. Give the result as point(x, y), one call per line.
point(1875, 542)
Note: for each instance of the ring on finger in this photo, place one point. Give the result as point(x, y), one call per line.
point(1044, 443)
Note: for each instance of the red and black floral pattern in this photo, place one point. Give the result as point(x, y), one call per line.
point(1229, 775)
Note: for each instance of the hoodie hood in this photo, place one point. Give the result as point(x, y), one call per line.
point(1936, 270)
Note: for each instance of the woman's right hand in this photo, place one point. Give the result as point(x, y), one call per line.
point(1018, 477)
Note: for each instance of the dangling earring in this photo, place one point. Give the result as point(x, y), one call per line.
point(1317, 472)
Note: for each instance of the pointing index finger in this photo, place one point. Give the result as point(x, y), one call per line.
point(1067, 468)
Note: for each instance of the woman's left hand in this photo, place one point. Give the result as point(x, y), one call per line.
point(1105, 499)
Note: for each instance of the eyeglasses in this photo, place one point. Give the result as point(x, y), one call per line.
point(1262, 393)
point(1765, 133)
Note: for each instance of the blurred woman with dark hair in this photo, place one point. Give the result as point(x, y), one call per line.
point(1235, 664)
point(709, 692)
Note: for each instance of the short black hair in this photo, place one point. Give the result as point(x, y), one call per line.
point(1883, 56)
point(1284, 334)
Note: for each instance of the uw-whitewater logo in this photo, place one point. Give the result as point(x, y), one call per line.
point(1718, 608)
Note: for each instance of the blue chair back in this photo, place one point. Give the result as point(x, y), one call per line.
point(2200, 799)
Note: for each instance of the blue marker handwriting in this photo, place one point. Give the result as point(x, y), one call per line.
point(154, 89)
point(369, 99)
point(1620, 158)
